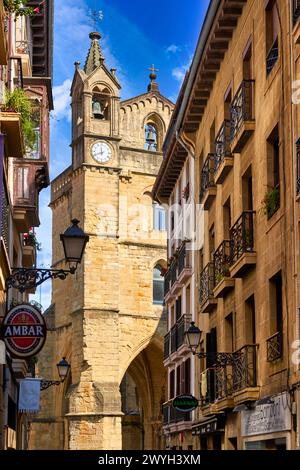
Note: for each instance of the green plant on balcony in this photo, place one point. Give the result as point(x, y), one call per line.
point(17, 101)
point(31, 240)
point(19, 8)
point(271, 201)
point(219, 276)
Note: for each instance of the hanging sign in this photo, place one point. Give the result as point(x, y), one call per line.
point(185, 403)
point(24, 331)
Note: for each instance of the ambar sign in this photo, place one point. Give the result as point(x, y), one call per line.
point(24, 331)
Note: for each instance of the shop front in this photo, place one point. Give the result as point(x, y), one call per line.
point(268, 426)
point(210, 433)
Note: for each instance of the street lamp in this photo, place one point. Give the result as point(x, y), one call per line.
point(193, 336)
point(74, 241)
point(63, 368)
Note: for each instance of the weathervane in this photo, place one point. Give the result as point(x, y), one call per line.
point(96, 15)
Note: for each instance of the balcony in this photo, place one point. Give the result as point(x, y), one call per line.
point(243, 256)
point(172, 416)
point(274, 347)
point(12, 128)
point(223, 156)
point(244, 375)
point(296, 10)
point(174, 340)
point(167, 344)
point(222, 280)
point(242, 123)
point(208, 189)
point(206, 290)
point(182, 326)
point(184, 264)
point(272, 56)
point(29, 178)
point(224, 386)
point(5, 217)
point(3, 36)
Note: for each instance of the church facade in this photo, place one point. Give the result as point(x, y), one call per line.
point(108, 319)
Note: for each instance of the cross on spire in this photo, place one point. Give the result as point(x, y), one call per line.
point(153, 86)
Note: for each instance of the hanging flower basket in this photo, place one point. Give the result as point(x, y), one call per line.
point(19, 8)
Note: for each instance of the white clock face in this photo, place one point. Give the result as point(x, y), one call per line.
point(101, 152)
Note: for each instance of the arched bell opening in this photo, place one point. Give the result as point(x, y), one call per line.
point(101, 103)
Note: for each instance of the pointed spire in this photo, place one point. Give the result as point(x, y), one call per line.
point(153, 86)
point(95, 56)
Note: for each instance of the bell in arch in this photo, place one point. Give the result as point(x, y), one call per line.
point(97, 110)
point(151, 137)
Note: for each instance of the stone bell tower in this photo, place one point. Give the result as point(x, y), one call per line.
point(107, 319)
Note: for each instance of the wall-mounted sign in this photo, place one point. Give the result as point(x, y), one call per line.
point(24, 331)
point(185, 403)
point(264, 419)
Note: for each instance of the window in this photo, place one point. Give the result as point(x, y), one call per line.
point(247, 194)
point(158, 286)
point(226, 219)
point(172, 384)
point(276, 303)
point(178, 308)
point(229, 333)
point(272, 197)
point(250, 321)
point(272, 28)
point(151, 137)
point(159, 217)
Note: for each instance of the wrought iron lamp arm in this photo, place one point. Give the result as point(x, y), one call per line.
point(48, 383)
point(27, 278)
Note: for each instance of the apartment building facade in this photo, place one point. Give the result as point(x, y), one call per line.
point(237, 119)
point(25, 103)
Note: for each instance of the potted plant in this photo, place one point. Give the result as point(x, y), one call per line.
point(31, 240)
point(19, 8)
point(271, 201)
point(16, 101)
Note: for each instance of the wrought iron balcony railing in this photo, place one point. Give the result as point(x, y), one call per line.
point(182, 326)
point(167, 343)
point(222, 144)
point(274, 347)
point(167, 282)
point(223, 381)
point(242, 236)
point(222, 257)
point(173, 270)
point(207, 386)
point(207, 175)
point(207, 283)
point(5, 219)
point(296, 10)
point(173, 334)
point(220, 381)
point(272, 56)
point(184, 258)
point(244, 368)
point(242, 107)
point(298, 165)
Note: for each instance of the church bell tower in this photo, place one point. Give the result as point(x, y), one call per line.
point(107, 319)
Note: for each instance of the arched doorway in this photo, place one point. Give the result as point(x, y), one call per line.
point(142, 393)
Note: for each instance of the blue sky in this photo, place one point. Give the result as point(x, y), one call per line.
point(135, 34)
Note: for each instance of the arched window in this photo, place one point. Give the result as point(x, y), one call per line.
point(158, 285)
point(151, 137)
point(100, 103)
point(159, 217)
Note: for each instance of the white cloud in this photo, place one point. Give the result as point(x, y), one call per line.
point(62, 100)
point(179, 72)
point(172, 49)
